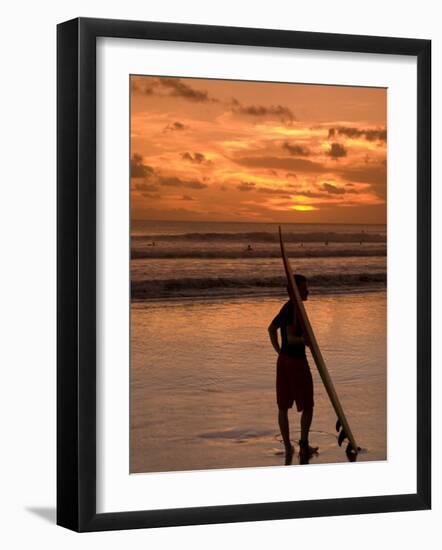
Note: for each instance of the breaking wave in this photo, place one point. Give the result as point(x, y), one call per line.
point(267, 237)
point(232, 253)
point(209, 287)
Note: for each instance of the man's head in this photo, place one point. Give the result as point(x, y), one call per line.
point(301, 283)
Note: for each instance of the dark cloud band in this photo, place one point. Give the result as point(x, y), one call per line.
point(379, 134)
point(281, 163)
point(278, 112)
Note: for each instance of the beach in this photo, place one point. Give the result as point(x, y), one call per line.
point(202, 367)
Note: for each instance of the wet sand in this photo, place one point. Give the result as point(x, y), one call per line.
point(203, 381)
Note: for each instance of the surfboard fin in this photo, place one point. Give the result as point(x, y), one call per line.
point(338, 425)
point(351, 454)
point(350, 451)
point(341, 437)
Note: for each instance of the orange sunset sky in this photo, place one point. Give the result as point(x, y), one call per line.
point(220, 150)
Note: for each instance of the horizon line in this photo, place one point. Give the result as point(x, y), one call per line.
point(258, 222)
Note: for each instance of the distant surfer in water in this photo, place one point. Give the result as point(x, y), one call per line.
point(294, 382)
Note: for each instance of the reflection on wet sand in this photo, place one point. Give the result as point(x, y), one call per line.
point(304, 456)
point(203, 382)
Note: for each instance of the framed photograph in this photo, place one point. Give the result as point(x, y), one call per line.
point(243, 274)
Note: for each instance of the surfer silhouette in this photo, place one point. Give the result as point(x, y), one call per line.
point(294, 382)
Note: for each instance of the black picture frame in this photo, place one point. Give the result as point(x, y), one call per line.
point(76, 273)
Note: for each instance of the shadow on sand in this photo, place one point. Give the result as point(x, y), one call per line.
point(304, 457)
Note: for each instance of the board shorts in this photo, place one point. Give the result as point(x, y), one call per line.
point(294, 383)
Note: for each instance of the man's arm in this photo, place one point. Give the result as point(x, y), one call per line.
point(273, 333)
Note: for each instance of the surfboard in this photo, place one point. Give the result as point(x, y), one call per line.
point(342, 425)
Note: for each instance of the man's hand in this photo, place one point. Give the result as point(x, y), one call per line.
point(307, 341)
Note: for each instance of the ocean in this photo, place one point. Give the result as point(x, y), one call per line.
point(191, 259)
point(202, 367)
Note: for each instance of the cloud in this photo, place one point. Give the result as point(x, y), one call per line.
point(379, 134)
point(372, 135)
point(282, 163)
point(246, 186)
point(178, 182)
point(144, 211)
point(172, 86)
point(178, 88)
point(196, 158)
point(175, 127)
point(296, 150)
point(278, 112)
point(288, 193)
point(141, 85)
point(138, 169)
point(187, 198)
point(285, 193)
point(375, 175)
point(148, 187)
point(151, 195)
point(337, 151)
point(332, 189)
point(310, 194)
